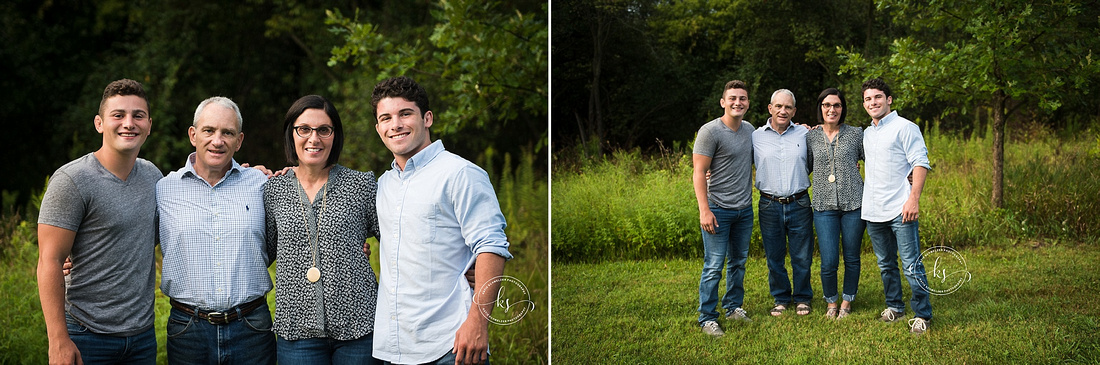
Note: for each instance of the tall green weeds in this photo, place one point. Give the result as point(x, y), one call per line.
point(625, 207)
point(630, 207)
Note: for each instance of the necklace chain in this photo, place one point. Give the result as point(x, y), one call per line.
point(305, 217)
point(832, 157)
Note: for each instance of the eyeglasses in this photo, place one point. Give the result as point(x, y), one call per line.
point(305, 131)
point(826, 106)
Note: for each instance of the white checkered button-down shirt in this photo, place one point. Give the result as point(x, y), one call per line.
point(215, 254)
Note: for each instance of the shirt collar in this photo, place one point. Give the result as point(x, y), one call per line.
point(189, 169)
point(768, 125)
point(893, 114)
point(421, 158)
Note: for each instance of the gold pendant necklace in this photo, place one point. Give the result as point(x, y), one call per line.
point(832, 163)
point(313, 274)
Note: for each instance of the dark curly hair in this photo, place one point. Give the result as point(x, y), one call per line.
point(399, 87)
point(876, 83)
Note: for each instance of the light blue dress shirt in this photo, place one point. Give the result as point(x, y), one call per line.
point(212, 238)
point(893, 148)
point(782, 166)
point(434, 218)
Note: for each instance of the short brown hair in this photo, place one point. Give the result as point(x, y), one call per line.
point(122, 87)
point(736, 84)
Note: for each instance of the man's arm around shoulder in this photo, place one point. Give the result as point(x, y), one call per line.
point(54, 246)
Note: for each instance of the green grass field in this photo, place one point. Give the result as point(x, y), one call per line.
point(626, 265)
point(1023, 305)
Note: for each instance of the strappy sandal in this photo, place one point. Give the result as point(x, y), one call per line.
point(802, 309)
point(778, 309)
point(831, 312)
point(844, 312)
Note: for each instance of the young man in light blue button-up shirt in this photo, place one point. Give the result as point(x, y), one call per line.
point(437, 216)
point(894, 149)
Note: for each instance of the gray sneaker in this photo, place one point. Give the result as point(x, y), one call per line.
point(738, 314)
point(711, 328)
point(889, 315)
point(918, 326)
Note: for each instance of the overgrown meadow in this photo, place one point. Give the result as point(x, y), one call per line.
point(630, 206)
point(523, 197)
point(626, 261)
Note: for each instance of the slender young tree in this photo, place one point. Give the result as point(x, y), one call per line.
point(998, 54)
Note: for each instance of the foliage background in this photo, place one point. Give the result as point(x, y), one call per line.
point(484, 64)
point(944, 59)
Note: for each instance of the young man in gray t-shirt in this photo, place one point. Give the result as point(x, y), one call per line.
point(100, 209)
point(724, 147)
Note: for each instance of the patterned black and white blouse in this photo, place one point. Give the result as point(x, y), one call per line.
point(845, 192)
point(341, 304)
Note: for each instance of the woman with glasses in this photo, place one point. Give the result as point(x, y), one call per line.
point(319, 216)
point(835, 149)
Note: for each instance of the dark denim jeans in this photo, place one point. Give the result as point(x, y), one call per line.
point(448, 359)
point(98, 348)
point(327, 351)
point(834, 227)
point(891, 240)
point(780, 225)
point(730, 245)
point(248, 340)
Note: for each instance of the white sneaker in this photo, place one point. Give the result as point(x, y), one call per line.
point(889, 315)
point(712, 328)
point(738, 314)
point(918, 326)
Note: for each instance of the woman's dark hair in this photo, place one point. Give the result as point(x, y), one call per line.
point(821, 99)
point(296, 110)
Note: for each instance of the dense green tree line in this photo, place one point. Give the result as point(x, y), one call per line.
point(57, 56)
point(628, 73)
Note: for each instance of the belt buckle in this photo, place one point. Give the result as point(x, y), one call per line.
point(785, 200)
point(217, 318)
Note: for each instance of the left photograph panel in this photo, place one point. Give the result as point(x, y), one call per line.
point(276, 182)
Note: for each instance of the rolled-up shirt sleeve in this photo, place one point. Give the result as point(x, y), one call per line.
point(478, 212)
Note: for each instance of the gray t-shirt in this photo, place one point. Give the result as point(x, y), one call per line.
point(111, 287)
point(730, 184)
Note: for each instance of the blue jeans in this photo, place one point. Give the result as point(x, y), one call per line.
point(780, 225)
point(448, 359)
point(729, 244)
point(834, 227)
point(326, 351)
point(890, 240)
point(248, 340)
point(98, 348)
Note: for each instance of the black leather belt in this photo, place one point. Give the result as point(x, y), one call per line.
point(784, 200)
point(220, 317)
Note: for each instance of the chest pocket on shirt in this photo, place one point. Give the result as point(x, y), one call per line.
point(420, 222)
